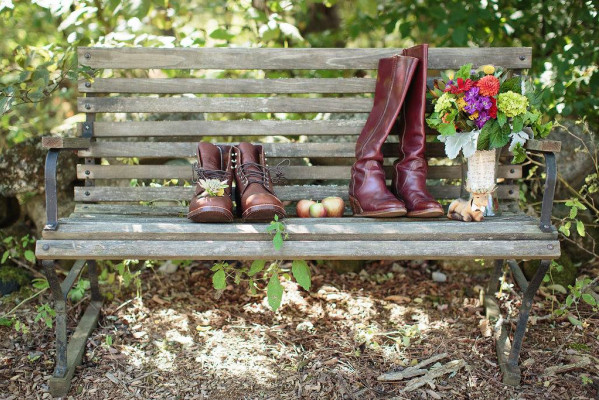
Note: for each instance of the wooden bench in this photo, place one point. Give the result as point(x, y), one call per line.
point(113, 220)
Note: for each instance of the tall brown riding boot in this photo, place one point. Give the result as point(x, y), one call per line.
point(214, 162)
point(409, 171)
point(255, 196)
point(368, 193)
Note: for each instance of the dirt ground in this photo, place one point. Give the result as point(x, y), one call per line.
point(183, 340)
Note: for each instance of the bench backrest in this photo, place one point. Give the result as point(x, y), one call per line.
point(236, 103)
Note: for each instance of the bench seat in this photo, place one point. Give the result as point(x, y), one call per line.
point(115, 236)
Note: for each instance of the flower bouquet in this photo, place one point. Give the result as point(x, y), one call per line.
point(478, 111)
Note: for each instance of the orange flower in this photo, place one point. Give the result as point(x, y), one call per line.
point(489, 85)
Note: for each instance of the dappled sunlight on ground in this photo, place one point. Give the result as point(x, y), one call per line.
point(184, 340)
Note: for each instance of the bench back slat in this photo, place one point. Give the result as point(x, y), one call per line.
point(228, 86)
point(339, 107)
point(294, 172)
point(223, 104)
point(198, 128)
point(296, 59)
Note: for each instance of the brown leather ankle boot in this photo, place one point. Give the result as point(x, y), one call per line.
point(254, 193)
point(368, 193)
point(214, 162)
point(409, 172)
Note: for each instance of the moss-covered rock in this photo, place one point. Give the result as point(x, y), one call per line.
point(11, 279)
point(565, 276)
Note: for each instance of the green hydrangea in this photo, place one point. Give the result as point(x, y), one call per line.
point(445, 102)
point(512, 104)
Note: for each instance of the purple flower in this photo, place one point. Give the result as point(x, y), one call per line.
point(485, 102)
point(483, 117)
point(473, 103)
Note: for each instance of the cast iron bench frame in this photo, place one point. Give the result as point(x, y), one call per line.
point(114, 239)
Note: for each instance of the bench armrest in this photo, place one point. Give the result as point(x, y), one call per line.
point(543, 146)
point(65, 143)
point(548, 194)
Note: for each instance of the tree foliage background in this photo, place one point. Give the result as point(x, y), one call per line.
point(38, 62)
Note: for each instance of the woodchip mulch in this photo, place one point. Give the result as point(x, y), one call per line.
point(183, 340)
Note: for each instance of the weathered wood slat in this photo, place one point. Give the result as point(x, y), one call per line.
point(223, 104)
point(228, 86)
point(298, 228)
point(107, 210)
point(290, 172)
point(307, 250)
point(543, 146)
point(295, 58)
point(272, 150)
point(285, 193)
point(227, 128)
point(135, 212)
point(59, 142)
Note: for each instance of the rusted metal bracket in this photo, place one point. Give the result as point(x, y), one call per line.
point(70, 352)
point(548, 195)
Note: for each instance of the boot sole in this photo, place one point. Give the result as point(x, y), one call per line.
point(358, 212)
point(211, 214)
point(430, 213)
point(263, 213)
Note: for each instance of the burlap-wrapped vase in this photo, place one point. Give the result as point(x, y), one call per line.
point(481, 178)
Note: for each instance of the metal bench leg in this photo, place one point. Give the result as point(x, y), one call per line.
point(68, 357)
point(491, 306)
point(511, 373)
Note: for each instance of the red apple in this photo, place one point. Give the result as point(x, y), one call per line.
point(303, 208)
point(334, 206)
point(317, 210)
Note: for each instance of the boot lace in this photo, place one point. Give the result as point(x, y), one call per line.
point(198, 173)
point(251, 172)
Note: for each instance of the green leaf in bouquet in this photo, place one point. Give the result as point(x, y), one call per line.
point(519, 154)
point(542, 130)
point(464, 71)
point(530, 117)
point(513, 84)
point(501, 118)
point(483, 139)
point(498, 136)
point(517, 123)
point(447, 129)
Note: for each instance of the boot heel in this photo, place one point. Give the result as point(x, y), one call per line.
point(355, 206)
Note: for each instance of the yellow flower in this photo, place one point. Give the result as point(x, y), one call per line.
point(461, 103)
point(450, 74)
point(473, 116)
point(220, 192)
point(488, 69)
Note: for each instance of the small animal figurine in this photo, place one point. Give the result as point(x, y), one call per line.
point(468, 210)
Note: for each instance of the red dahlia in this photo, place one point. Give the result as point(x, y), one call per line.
point(489, 85)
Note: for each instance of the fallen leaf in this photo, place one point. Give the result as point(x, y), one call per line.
point(485, 327)
point(398, 299)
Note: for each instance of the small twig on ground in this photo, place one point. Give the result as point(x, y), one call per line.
point(452, 366)
point(411, 372)
point(559, 369)
point(28, 268)
point(24, 301)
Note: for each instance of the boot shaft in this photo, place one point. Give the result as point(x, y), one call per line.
point(213, 162)
point(393, 78)
point(251, 173)
point(410, 125)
